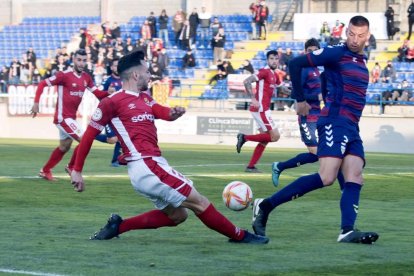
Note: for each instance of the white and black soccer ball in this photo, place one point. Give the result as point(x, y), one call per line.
point(237, 196)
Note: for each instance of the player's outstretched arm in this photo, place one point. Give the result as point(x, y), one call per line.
point(166, 113)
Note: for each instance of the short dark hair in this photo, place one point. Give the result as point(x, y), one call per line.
point(80, 52)
point(359, 21)
point(312, 42)
point(271, 52)
point(130, 60)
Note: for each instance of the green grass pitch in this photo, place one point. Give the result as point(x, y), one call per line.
point(45, 226)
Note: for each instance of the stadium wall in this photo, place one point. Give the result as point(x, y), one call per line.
point(380, 133)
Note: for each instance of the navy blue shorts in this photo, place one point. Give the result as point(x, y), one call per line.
point(335, 140)
point(308, 132)
point(109, 132)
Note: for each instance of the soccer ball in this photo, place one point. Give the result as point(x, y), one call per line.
point(237, 196)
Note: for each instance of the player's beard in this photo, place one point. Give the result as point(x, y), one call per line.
point(78, 69)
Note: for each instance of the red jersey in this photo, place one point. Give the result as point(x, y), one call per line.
point(70, 90)
point(131, 115)
point(268, 80)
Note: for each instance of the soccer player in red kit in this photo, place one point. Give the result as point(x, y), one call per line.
point(267, 79)
point(71, 85)
point(131, 113)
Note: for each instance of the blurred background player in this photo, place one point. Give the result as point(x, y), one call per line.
point(71, 85)
point(266, 80)
point(340, 146)
point(133, 111)
point(112, 84)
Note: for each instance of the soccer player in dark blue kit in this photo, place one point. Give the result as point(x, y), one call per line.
point(112, 84)
point(312, 91)
point(339, 146)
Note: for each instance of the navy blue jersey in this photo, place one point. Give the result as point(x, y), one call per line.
point(112, 81)
point(311, 84)
point(347, 81)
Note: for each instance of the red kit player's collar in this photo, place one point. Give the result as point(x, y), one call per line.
point(132, 92)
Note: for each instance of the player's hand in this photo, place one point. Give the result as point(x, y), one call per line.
point(77, 181)
point(34, 110)
point(111, 90)
point(254, 104)
point(302, 108)
point(176, 112)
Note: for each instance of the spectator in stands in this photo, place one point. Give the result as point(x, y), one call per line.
point(337, 32)
point(218, 43)
point(283, 92)
point(402, 51)
point(262, 13)
point(410, 53)
point(389, 15)
point(31, 57)
point(36, 77)
point(194, 22)
point(163, 61)
point(403, 92)
point(64, 53)
point(4, 79)
point(224, 68)
point(129, 46)
point(370, 45)
point(325, 33)
point(286, 58)
point(82, 34)
point(163, 26)
point(106, 30)
point(141, 46)
point(246, 67)
point(14, 72)
point(25, 74)
point(215, 26)
point(376, 73)
point(156, 75)
point(185, 35)
point(99, 71)
point(146, 33)
point(178, 22)
point(410, 12)
point(115, 31)
point(253, 9)
point(205, 18)
point(189, 60)
point(152, 22)
point(388, 73)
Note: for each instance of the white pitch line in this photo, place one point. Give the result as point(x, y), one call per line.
point(5, 270)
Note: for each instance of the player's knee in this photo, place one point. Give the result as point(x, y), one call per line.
point(179, 216)
point(64, 148)
point(274, 136)
point(328, 179)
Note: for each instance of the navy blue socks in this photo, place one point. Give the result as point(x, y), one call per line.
point(300, 159)
point(349, 205)
point(297, 188)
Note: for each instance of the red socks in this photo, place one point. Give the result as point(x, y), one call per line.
point(149, 220)
point(261, 138)
point(54, 159)
point(73, 158)
point(213, 219)
point(258, 151)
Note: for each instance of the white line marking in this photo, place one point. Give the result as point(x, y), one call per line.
point(5, 270)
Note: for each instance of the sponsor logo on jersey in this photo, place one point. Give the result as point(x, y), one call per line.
point(142, 117)
point(97, 115)
point(76, 93)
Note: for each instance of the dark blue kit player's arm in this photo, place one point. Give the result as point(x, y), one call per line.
point(321, 57)
point(324, 87)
